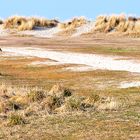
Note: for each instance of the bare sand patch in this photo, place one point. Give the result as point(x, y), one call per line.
point(42, 32)
point(92, 60)
point(49, 63)
point(130, 84)
point(78, 68)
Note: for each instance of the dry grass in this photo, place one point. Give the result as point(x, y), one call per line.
point(109, 23)
point(42, 22)
point(117, 23)
point(74, 23)
point(75, 115)
point(20, 23)
point(57, 98)
point(69, 28)
point(35, 96)
point(27, 23)
point(121, 24)
point(101, 23)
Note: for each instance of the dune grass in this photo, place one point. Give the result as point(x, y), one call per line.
point(108, 25)
point(118, 23)
point(27, 23)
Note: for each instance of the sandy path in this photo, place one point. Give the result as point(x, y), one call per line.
point(94, 61)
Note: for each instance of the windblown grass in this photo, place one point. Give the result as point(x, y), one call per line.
point(68, 28)
point(28, 23)
point(42, 22)
point(120, 24)
point(74, 23)
point(117, 23)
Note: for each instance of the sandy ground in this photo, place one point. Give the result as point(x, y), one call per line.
point(66, 56)
point(99, 65)
point(95, 61)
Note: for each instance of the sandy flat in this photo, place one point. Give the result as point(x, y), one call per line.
point(92, 60)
